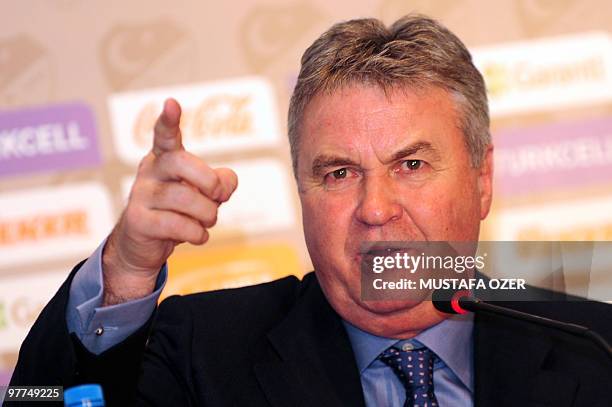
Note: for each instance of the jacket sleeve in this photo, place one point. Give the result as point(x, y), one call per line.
point(50, 355)
point(85, 313)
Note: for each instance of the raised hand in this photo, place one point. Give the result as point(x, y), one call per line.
point(174, 199)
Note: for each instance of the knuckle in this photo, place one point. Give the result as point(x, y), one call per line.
point(193, 233)
point(205, 236)
point(214, 219)
point(201, 237)
point(208, 221)
point(210, 218)
point(216, 187)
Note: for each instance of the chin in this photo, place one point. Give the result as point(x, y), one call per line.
point(388, 306)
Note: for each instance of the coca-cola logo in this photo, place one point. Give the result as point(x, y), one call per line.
point(220, 115)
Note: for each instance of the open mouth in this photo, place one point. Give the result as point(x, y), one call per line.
point(372, 249)
point(372, 252)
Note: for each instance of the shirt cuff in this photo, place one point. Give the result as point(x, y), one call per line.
point(100, 328)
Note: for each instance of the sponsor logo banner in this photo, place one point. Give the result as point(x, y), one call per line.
point(559, 155)
point(50, 138)
point(21, 300)
point(571, 221)
point(262, 202)
point(547, 73)
point(217, 268)
point(226, 116)
point(53, 223)
point(5, 377)
point(587, 220)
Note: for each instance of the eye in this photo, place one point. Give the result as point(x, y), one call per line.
point(414, 170)
point(339, 173)
point(412, 165)
point(340, 178)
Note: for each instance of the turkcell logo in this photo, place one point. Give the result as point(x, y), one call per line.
point(554, 156)
point(49, 138)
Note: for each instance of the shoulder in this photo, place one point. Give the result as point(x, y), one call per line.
point(254, 307)
point(274, 293)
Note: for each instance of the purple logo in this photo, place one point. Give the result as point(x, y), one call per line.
point(50, 138)
point(5, 377)
point(554, 156)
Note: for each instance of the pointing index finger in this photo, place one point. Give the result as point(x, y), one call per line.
point(167, 133)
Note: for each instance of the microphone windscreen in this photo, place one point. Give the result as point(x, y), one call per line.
point(442, 300)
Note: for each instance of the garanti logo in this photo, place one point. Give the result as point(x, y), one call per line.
point(25, 71)
point(226, 116)
point(547, 73)
point(138, 55)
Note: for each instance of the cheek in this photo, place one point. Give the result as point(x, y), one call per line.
point(444, 216)
point(326, 221)
point(326, 218)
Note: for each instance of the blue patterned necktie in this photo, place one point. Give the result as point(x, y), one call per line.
point(415, 370)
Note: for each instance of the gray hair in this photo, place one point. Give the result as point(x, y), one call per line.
point(415, 52)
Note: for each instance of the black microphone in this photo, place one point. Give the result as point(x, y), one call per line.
point(461, 302)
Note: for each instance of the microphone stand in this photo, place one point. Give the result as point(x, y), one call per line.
point(476, 305)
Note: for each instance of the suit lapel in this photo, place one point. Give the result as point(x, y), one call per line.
point(315, 364)
point(509, 359)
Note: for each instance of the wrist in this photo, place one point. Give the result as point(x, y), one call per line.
point(122, 281)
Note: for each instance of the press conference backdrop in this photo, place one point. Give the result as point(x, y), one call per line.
point(81, 83)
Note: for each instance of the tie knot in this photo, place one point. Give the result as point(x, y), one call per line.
point(414, 368)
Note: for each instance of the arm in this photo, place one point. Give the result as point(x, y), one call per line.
point(50, 355)
point(99, 328)
point(174, 199)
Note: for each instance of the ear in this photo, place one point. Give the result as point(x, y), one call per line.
point(485, 182)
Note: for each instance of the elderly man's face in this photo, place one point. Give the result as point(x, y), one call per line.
point(376, 167)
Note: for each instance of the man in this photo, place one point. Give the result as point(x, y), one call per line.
point(389, 135)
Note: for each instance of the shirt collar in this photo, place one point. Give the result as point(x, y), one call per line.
point(451, 340)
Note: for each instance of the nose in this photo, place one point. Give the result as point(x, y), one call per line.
point(378, 202)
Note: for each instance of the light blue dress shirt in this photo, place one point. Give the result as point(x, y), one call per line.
point(451, 340)
point(99, 328)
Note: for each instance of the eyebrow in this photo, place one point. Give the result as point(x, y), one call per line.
point(421, 146)
point(324, 161)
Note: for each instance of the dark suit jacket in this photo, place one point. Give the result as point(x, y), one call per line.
point(281, 344)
